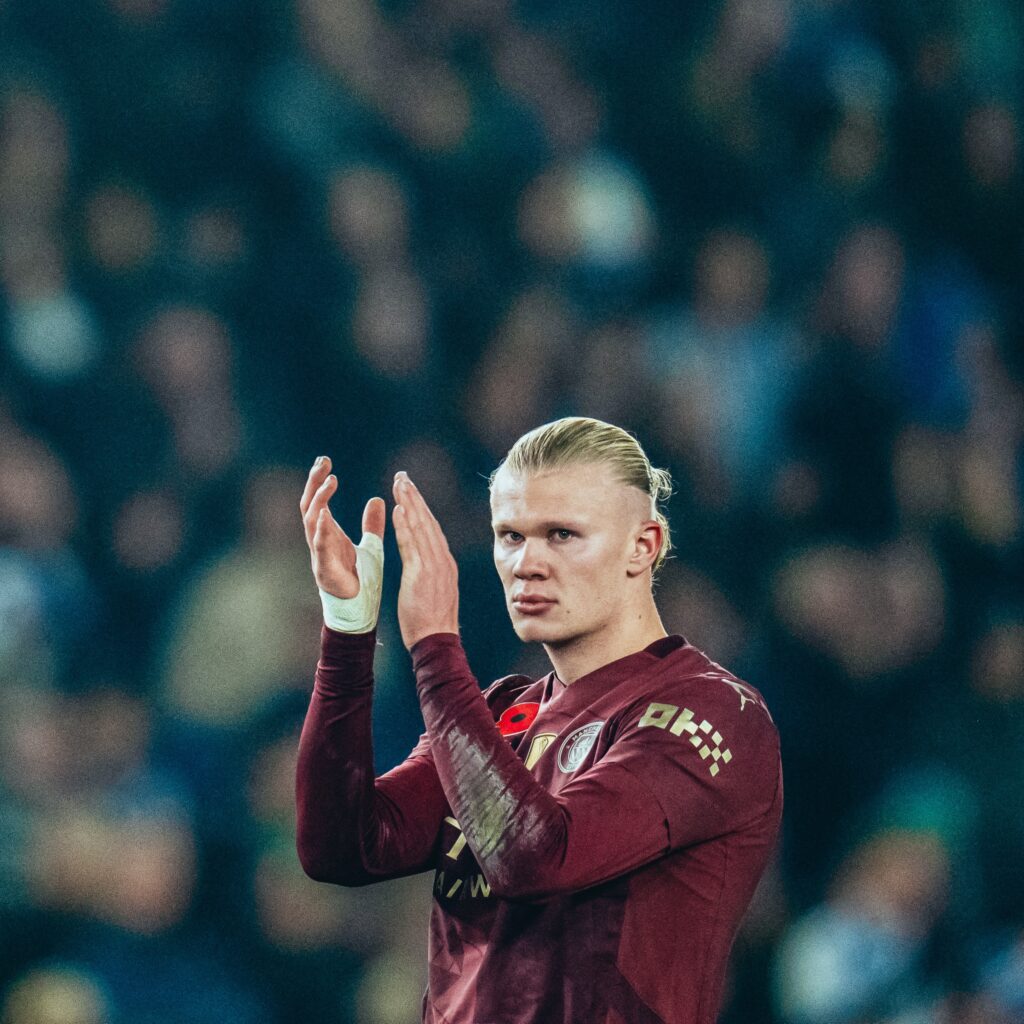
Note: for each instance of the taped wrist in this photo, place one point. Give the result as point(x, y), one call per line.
point(359, 614)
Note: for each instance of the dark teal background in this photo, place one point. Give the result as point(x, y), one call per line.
point(781, 240)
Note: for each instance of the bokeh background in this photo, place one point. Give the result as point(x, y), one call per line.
point(781, 240)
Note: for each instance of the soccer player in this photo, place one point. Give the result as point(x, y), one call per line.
point(596, 834)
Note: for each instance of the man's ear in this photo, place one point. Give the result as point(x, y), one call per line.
point(646, 545)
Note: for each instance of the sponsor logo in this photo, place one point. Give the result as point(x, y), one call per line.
point(460, 841)
point(745, 694)
point(704, 738)
point(452, 887)
point(575, 747)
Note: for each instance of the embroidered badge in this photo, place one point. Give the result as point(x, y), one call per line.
point(540, 743)
point(577, 745)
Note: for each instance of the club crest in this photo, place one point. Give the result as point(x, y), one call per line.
point(577, 745)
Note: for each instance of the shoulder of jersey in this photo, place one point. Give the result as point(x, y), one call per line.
point(504, 692)
point(707, 687)
point(703, 715)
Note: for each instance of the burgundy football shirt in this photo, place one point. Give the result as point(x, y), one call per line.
point(594, 846)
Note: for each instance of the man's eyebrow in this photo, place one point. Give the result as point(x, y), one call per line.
point(547, 524)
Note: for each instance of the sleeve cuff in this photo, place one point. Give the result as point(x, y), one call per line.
point(346, 650)
point(439, 660)
point(434, 652)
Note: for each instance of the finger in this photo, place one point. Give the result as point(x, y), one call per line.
point(418, 503)
point(412, 519)
point(399, 492)
point(407, 548)
point(375, 517)
point(327, 533)
point(316, 477)
point(424, 519)
point(319, 501)
point(320, 533)
point(332, 551)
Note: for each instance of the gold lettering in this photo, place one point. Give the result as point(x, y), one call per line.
point(454, 889)
point(700, 736)
point(459, 843)
point(683, 722)
point(659, 715)
point(478, 886)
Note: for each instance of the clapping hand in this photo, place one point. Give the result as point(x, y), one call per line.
point(331, 551)
point(428, 599)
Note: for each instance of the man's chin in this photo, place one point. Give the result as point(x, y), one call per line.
point(534, 631)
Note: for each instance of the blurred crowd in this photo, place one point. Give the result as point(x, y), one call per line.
point(781, 240)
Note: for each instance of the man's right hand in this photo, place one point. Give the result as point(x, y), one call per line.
point(332, 553)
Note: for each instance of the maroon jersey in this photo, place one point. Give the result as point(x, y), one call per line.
point(594, 846)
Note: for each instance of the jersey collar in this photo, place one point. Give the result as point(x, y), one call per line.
point(576, 695)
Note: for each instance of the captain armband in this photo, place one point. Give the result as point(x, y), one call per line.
point(359, 614)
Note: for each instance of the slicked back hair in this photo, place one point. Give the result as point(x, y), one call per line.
point(580, 440)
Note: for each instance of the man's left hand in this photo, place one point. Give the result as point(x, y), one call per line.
point(428, 599)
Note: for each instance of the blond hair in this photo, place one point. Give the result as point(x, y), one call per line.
point(578, 440)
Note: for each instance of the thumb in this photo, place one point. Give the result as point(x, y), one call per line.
point(375, 517)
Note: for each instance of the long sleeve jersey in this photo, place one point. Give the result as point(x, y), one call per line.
point(594, 846)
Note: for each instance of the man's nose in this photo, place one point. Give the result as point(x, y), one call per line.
point(530, 561)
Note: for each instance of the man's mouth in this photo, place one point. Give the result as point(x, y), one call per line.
point(531, 604)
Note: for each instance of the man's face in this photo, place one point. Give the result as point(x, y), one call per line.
point(565, 546)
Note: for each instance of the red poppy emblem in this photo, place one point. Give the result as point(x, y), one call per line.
point(517, 718)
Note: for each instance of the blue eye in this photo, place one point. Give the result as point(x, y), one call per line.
point(514, 537)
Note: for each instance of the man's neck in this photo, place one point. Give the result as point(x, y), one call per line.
point(586, 654)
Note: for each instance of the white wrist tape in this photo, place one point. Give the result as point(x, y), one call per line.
point(359, 614)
